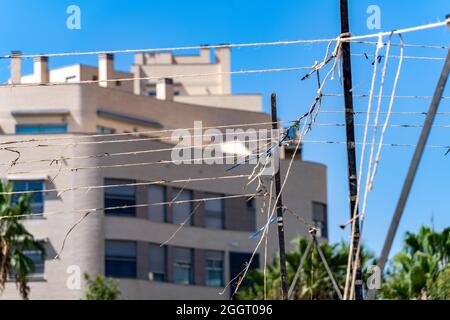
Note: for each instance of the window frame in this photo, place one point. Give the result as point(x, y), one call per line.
point(72, 78)
point(41, 128)
point(32, 276)
point(104, 130)
point(209, 268)
point(183, 265)
point(150, 272)
point(33, 204)
point(36, 275)
point(321, 225)
point(109, 194)
point(117, 258)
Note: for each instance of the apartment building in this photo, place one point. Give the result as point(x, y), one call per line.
point(207, 90)
point(75, 168)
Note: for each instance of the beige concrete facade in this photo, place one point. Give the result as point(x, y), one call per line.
point(209, 90)
point(212, 91)
point(83, 108)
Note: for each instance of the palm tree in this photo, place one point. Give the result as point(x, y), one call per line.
point(314, 284)
point(422, 263)
point(440, 289)
point(15, 240)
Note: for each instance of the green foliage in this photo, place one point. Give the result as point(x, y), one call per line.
point(100, 288)
point(440, 289)
point(15, 240)
point(314, 281)
point(420, 270)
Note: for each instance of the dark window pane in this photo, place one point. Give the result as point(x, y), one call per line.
point(160, 277)
point(117, 202)
point(120, 259)
point(105, 130)
point(119, 197)
point(238, 261)
point(37, 198)
point(120, 269)
point(320, 218)
point(38, 262)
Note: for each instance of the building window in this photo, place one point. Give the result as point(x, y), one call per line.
point(320, 218)
point(214, 268)
point(237, 262)
point(120, 197)
point(105, 130)
point(151, 93)
point(176, 93)
point(157, 263)
point(214, 212)
point(71, 79)
point(157, 194)
point(120, 259)
point(182, 266)
point(37, 198)
point(38, 260)
point(182, 211)
point(41, 128)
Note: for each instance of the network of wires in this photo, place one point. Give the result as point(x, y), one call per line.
point(378, 120)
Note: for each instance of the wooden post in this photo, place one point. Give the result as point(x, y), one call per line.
point(351, 155)
point(279, 204)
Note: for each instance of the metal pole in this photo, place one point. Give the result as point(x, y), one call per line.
point(327, 267)
point(413, 168)
point(279, 204)
point(299, 270)
point(351, 154)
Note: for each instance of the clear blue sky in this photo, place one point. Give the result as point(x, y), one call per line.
point(40, 27)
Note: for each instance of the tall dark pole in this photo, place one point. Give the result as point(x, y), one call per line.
point(351, 155)
point(280, 221)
